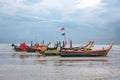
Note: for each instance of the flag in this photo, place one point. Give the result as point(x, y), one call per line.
point(63, 31)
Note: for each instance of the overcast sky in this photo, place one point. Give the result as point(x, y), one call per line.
point(37, 20)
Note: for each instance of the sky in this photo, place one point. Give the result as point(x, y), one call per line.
point(38, 20)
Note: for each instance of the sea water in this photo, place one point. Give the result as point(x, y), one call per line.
point(29, 66)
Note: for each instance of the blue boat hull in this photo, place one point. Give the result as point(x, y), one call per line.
point(80, 55)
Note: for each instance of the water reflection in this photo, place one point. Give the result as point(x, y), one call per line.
point(24, 56)
point(42, 62)
point(59, 61)
point(81, 62)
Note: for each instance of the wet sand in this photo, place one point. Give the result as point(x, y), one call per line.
point(32, 66)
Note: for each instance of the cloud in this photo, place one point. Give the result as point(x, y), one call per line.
point(47, 9)
point(87, 5)
point(80, 11)
point(83, 4)
point(37, 17)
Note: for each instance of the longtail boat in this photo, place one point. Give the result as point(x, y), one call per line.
point(31, 48)
point(27, 48)
point(85, 53)
point(17, 48)
point(53, 48)
point(53, 52)
point(85, 47)
point(56, 51)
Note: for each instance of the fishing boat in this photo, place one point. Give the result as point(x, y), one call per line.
point(53, 48)
point(87, 46)
point(85, 53)
point(56, 51)
point(53, 52)
point(23, 48)
point(17, 48)
point(31, 48)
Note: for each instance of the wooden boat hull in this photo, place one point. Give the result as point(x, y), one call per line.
point(85, 53)
point(52, 53)
point(51, 48)
point(17, 49)
point(31, 50)
point(80, 55)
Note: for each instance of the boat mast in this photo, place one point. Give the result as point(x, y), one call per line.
point(64, 36)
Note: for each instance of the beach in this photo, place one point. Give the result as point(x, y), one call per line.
point(33, 66)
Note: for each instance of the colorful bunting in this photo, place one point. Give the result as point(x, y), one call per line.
point(63, 31)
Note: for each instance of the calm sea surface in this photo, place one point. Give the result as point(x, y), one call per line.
point(31, 66)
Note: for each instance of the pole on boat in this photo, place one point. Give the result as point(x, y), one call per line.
point(64, 36)
point(31, 44)
point(70, 44)
point(63, 45)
